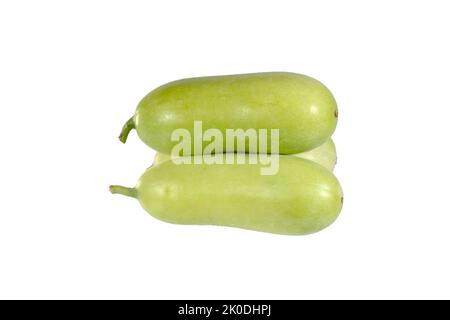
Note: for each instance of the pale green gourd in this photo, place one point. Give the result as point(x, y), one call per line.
point(302, 198)
point(325, 155)
point(302, 108)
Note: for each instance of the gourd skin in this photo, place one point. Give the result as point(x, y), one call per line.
point(302, 108)
point(302, 198)
point(325, 155)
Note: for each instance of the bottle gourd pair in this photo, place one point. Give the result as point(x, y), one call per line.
point(302, 197)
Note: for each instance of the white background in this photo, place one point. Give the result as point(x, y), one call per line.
point(72, 72)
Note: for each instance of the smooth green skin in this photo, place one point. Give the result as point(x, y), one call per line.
point(302, 108)
point(302, 198)
point(325, 155)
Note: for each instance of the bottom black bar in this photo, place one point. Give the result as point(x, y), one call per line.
point(217, 309)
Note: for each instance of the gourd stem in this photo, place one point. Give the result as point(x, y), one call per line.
point(129, 192)
point(127, 127)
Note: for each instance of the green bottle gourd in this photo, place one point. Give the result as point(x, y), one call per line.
point(301, 198)
point(300, 107)
point(325, 155)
